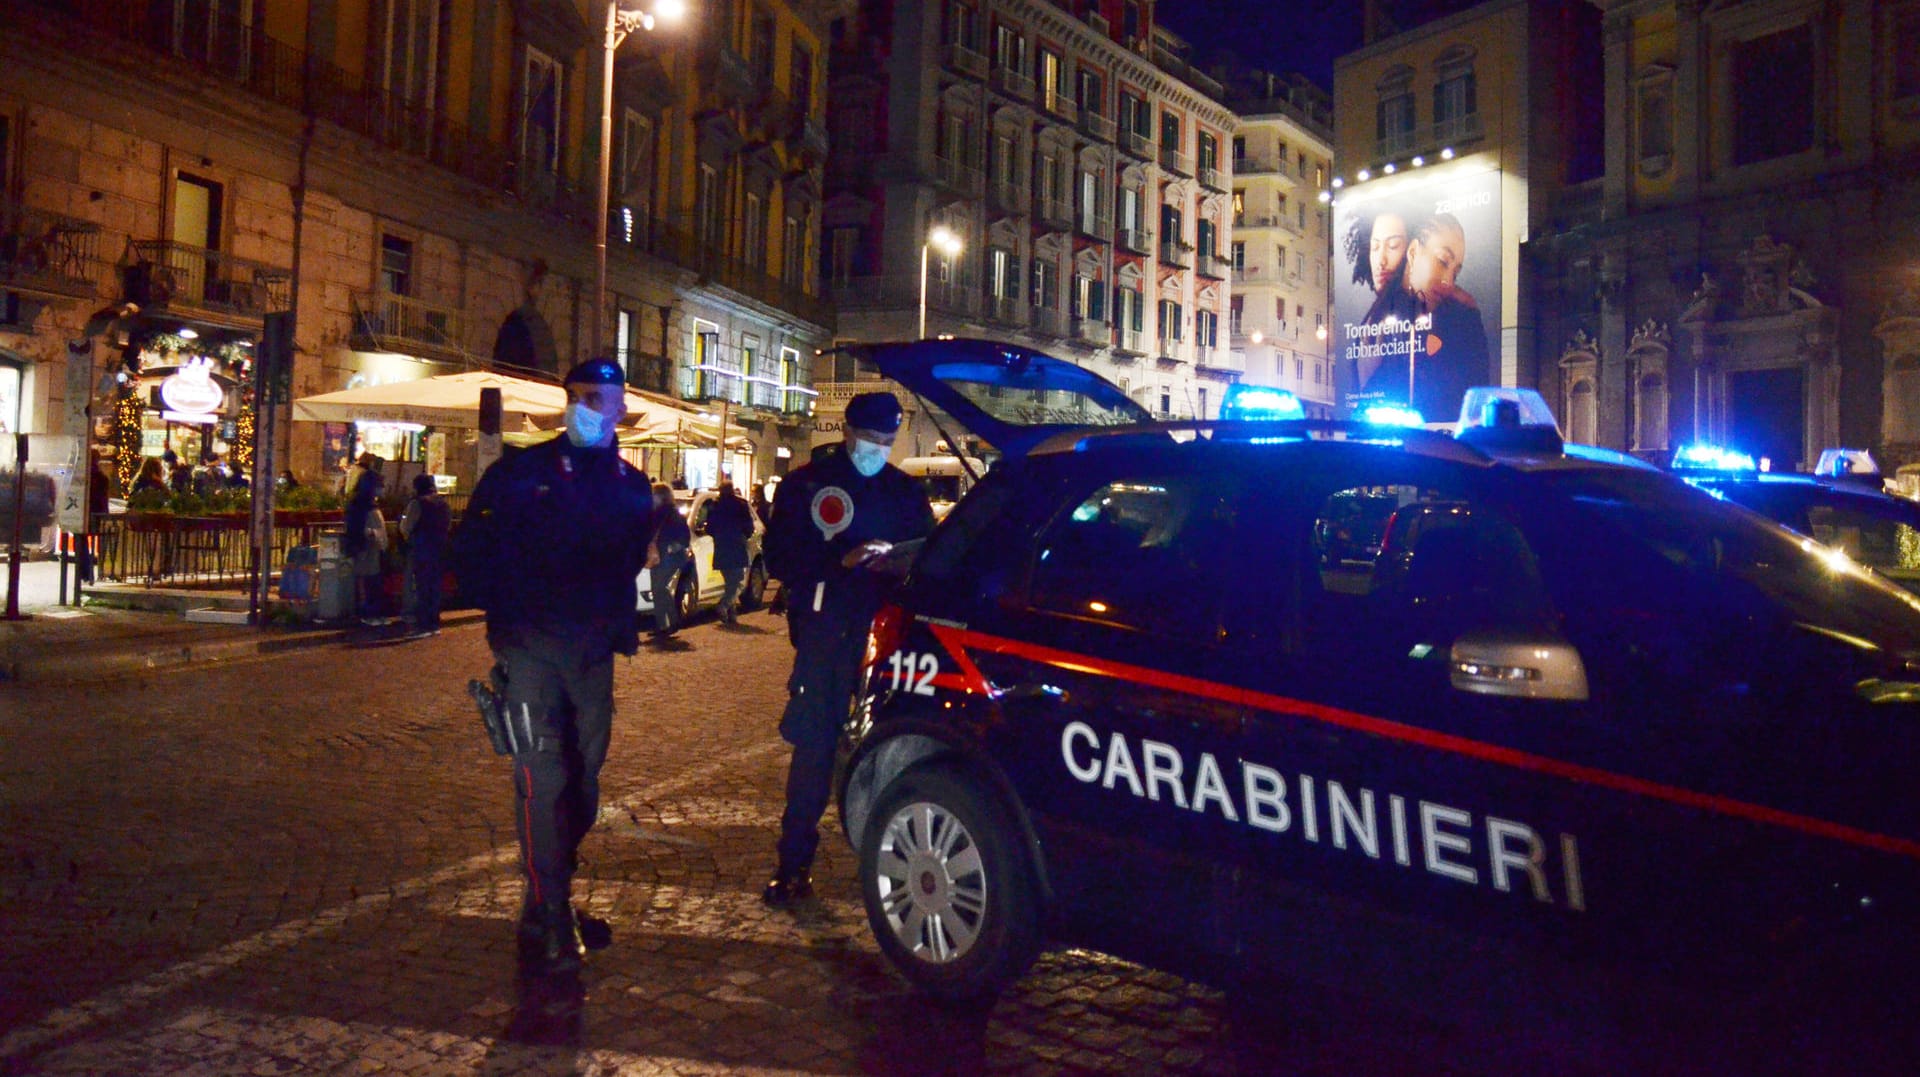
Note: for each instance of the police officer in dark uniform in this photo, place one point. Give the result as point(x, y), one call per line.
point(835, 521)
point(550, 546)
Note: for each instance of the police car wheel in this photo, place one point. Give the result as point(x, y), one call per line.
point(686, 597)
point(948, 890)
point(754, 594)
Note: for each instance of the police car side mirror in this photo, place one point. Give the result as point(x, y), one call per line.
point(1518, 666)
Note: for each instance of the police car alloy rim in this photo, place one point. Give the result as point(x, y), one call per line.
point(931, 882)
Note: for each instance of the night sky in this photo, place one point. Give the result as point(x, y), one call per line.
point(1281, 36)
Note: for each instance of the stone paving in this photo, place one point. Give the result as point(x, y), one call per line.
point(303, 862)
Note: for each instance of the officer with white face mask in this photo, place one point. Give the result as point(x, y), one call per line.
point(835, 521)
point(550, 546)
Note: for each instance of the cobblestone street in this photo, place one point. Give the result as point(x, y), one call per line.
point(304, 863)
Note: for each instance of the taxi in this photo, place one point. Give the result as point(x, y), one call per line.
point(1602, 752)
point(700, 585)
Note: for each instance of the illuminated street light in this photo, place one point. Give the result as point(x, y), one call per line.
point(1447, 154)
point(1363, 175)
point(948, 243)
point(619, 24)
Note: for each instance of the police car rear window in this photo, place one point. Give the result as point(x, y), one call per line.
point(985, 387)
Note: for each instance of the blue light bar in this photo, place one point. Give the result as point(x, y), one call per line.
point(1711, 458)
point(1391, 415)
point(1261, 402)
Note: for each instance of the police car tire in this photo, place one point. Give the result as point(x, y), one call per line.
point(754, 594)
point(686, 597)
point(1006, 934)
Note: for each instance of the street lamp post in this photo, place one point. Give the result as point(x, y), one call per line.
point(948, 244)
point(619, 25)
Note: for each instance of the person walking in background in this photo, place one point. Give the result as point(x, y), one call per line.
point(426, 524)
point(364, 544)
point(835, 522)
point(730, 525)
point(672, 546)
point(550, 546)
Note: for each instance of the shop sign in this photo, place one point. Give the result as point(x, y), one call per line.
point(189, 395)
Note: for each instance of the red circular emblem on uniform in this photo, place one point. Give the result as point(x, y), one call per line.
point(832, 511)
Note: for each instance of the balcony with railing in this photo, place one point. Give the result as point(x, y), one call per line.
point(1180, 164)
point(1094, 226)
point(1060, 106)
point(1096, 126)
point(1135, 144)
point(213, 284)
point(1255, 164)
point(1176, 254)
point(955, 296)
point(1211, 266)
point(1211, 178)
point(1440, 135)
point(1137, 240)
point(1095, 331)
point(48, 255)
point(959, 177)
point(1056, 213)
point(1009, 196)
point(727, 73)
point(806, 134)
point(1007, 310)
point(1130, 341)
point(385, 322)
point(1015, 84)
point(966, 61)
point(1047, 321)
point(682, 242)
point(1254, 275)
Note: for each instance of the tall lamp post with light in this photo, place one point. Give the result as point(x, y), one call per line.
point(620, 23)
point(947, 243)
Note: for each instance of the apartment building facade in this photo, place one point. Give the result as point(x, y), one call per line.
point(1744, 272)
point(1078, 159)
point(1454, 144)
point(1280, 313)
point(413, 180)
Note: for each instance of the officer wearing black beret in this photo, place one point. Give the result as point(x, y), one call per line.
point(550, 545)
point(835, 521)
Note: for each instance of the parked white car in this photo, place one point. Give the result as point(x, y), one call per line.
point(700, 586)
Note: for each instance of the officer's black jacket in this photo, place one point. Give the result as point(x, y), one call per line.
point(889, 506)
point(553, 539)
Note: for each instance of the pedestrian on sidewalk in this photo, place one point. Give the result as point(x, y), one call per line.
point(426, 523)
point(550, 546)
point(671, 549)
point(365, 543)
point(835, 520)
point(730, 525)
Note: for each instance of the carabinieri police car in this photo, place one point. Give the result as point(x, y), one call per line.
point(1843, 504)
point(1596, 753)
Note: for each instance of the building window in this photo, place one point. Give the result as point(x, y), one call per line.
point(1129, 308)
point(1209, 155)
point(790, 376)
point(800, 79)
point(793, 252)
point(636, 173)
point(540, 105)
point(962, 26)
point(1204, 241)
point(623, 332)
point(1051, 75)
point(1090, 92)
point(1906, 55)
point(1206, 329)
point(1773, 86)
point(1455, 112)
point(1653, 119)
point(412, 60)
point(1009, 49)
point(1393, 116)
point(1170, 323)
point(1239, 255)
point(1170, 131)
point(1003, 274)
point(1089, 298)
point(1239, 207)
point(1046, 284)
point(1300, 215)
point(1650, 413)
point(1239, 152)
point(1135, 117)
point(753, 229)
point(763, 48)
point(1237, 315)
point(396, 265)
point(707, 211)
point(840, 258)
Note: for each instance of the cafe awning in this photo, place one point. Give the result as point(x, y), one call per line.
point(452, 401)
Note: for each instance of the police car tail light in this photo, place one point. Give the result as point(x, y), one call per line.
point(888, 632)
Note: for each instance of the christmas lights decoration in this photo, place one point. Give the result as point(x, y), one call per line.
point(126, 435)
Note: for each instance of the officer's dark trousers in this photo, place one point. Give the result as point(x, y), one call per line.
point(826, 665)
point(568, 685)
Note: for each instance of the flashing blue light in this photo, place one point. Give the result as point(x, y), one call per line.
point(1711, 458)
point(1391, 415)
point(1261, 402)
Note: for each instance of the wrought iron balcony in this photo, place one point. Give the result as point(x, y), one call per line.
point(1047, 321)
point(1009, 197)
point(1096, 126)
point(728, 74)
point(1208, 265)
point(1092, 330)
point(966, 61)
point(1137, 240)
point(1061, 106)
point(383, 321)
point(1128, 341)
point(1094, 225)
point(47, 255)
point(1176, 254)
point(1211, 178)
point(1056, 213)
point(1435, 136)
point(215, 284)
point(1135, 144)
point(1256, 165)
point(1180, 164)
point(1014, 84)
point(958, 176)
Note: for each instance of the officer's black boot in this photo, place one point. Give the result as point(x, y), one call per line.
point(549, 941)
point(788, 885)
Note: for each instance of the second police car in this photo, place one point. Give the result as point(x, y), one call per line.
point(1596, 752)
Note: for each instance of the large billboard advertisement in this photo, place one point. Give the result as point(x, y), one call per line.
point(1417, 289)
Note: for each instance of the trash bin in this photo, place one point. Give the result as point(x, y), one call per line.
point(334, 598)
point(298, 577)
